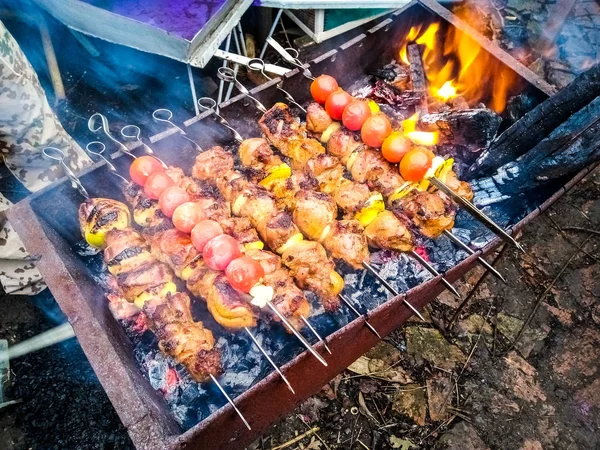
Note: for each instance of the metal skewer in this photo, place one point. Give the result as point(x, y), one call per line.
point(56, 155)
point(258, 65)
point(277, 369)
point(165, 115)
point(291, 56)
point(308, 324)
point(97, 148)
point(297, 334)
point(470, 251)
point(390, 288)
point(228, 75)
point(133, 133)
point(351, 307)
point(105, 128)
point(476, 212)
point(239, 413)
point(435, 273)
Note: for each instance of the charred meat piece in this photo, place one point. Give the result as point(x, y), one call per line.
point(277, 229)
point(97, 216)
point(255, 203)
point(313, 270)
point(343, 143)
point(240, 229)
point(188, 342)
point(327, 170)
point(346, 240)
point(462, 188)
point(389, 232)
point(284, 131)
point(429, 212)
point(146, 212)
point(317, 119)
point(212, 164)
point(257, 153)
point(288, 298)
point(351, 196)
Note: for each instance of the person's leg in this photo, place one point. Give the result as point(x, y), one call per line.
point(27, 123)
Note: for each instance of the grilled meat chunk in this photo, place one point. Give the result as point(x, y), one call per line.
point(277, 229)
point(343, 143)
point(317, 119)
point(327, 170)
point(284, 131)
point(462, 188)
point(351, 196)
point(188, 342)
point(257, 153)
point(346, 241)
point(313, 270)
point(240, 229)
point(314, 213)
point(428, 211)
point(212, 164)
point(389, 232)
point(288, 298)
point(146, 212)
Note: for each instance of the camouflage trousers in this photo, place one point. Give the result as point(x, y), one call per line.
point(27, 125)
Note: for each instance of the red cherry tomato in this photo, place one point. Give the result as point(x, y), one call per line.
point(395, 147)
point(203, 232)
point(143, 167)
point(156, 184)
point(171, 198)
point(220, 251)
point(336, 103)
point(186, 216)
point(321, 87)
point(375, 129)
point(355, 114)
point(415, 164)
point(243, 273)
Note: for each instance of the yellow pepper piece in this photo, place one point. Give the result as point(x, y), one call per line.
point(337, 282)
point(373, 206)
point(290, 242)
point(95, 239)
point(256, 245)
point(167, 288)
point(444, 168)
point(329, 131)
point(373, 106)
point(278, 172)
point(402, 191)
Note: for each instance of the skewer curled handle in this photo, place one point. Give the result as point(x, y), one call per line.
point(56, 155)
point(208, 104)
point(97, 148)
point(258, 65)
point(228, 75)
point(105, 128)
point(133, 133)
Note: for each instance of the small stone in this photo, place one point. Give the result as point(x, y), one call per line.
point(590, 394)
point(562, 315)
point(439, 397)
point(429, 344)
point(462, 436)
point(510, 326)
point(520, 377)
point(579, 357)
point(410, 401)
point(531, 445)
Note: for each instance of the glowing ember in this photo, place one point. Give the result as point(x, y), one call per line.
point(423, 137)
point(447, 91)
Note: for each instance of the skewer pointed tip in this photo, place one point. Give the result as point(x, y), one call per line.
point(318, 336)
point(451, 288)
point(230, 401)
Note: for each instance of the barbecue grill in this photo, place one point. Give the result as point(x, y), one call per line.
point(153, 420)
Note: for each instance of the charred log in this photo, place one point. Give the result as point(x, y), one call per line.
point(417, 76)
point(385, 92)
point(538, 123)
point(472, 130)
point(571, 147)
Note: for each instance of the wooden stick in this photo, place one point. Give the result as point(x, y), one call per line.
point(417, 76)
point(57, 84)
point(296, 439)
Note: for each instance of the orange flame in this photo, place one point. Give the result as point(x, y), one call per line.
point(426, 138)
point(455, 64)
